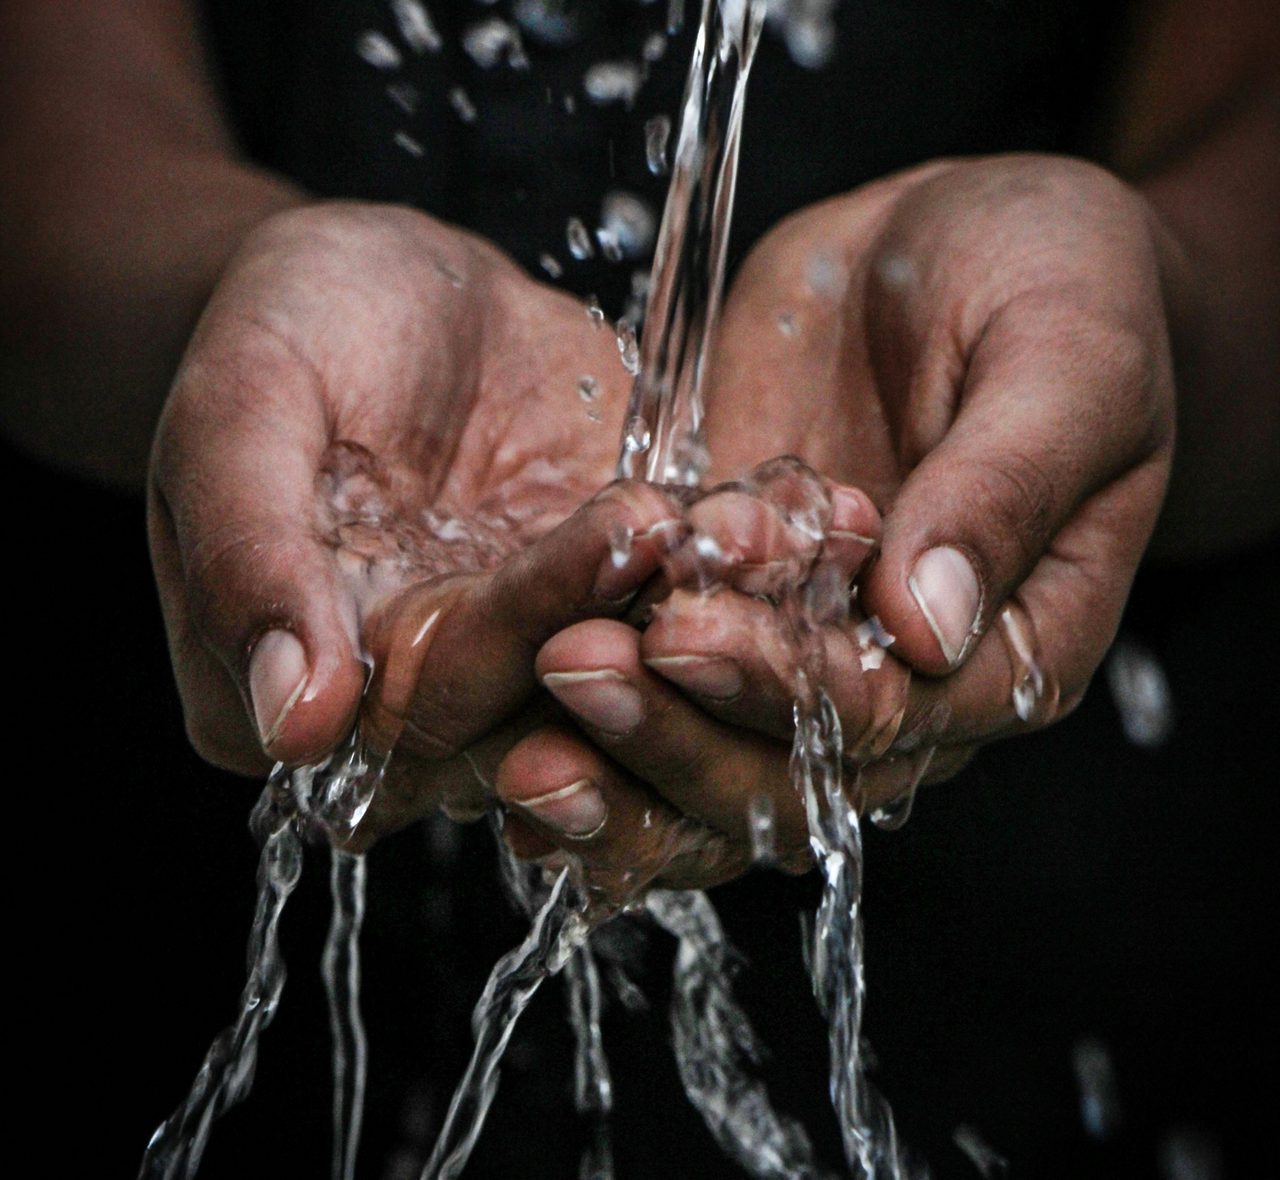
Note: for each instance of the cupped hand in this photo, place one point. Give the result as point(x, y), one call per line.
point(983, 348)
point(385, 448)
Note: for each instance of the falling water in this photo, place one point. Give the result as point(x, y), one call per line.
point(340, 966)
point(329, 798)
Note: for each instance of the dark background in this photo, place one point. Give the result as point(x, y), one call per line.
point(1068, 885)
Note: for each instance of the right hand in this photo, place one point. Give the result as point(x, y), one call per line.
point(362, 376)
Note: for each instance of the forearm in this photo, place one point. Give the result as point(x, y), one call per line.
point(121, 199)
point(1198, 139)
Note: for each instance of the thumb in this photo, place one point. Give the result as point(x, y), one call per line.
point(251, 592)
point(1047, 417)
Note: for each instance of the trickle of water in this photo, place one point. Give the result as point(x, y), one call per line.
point(1034, 693)
point(462, 105)
point(579, 239)
point(688, 268)
point(592, 1083)
point(989, 1162)
point(327, 799)
point(608, 82)
point(635, 437)
point(492, 41)
point(1099, 1094)
point(378, 51)
point(657, 131)
point(714, 1041)
point(1141, 693)
point(621, 539)
point(340, 968)
point(416, 27)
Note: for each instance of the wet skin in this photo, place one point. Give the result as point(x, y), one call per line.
point(980, 348)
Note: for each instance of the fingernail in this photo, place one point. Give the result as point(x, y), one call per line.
point(946, 590)
point(852, 514)
point(578, 810)
point(709, 676)
point(278, 675)
point(601, 698)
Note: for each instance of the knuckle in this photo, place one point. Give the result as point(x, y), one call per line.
point(1016, 493)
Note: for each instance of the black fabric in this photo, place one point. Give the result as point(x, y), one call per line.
point(1068, 885)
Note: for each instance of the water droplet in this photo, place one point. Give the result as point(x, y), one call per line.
point(636, 436)
point(570, 104)
point(407, 143)
point(675, 16)
point(406, 96)
point(621, 537)
point(1030, 686)
point(579, 239)
point(762, 820)
point(549, 22)
point(608, 82)
point(989, 1162)
point(416, 26)
point(609, 246)
point(787, 323)
point(630, 221)
point(1099, 1094)
point(655, 47)
point(588, 389)
point(491, 41)
point(657, 131)
point(823, 275)
point(595, 313)
point(1141, 693)
point(628, 347)
point(551, 265)
point(462, 105)
point(378, 51)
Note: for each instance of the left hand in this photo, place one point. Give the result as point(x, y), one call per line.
point(982, 347)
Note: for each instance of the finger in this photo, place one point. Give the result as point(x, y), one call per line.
point(731, 655)
point(561, 794)
point(248, 574)
point(1035, 662)
point(1053, 408)
point(454, 657)
point(703, 768)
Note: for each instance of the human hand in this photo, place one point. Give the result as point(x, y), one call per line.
point(982, 346)
point(366, 457)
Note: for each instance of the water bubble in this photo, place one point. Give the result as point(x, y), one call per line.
point(551, 265)
point(762, 817)
point(1141, 692)
point(550, 22)
point(406, 96)
point(657, 131)
point(579, 239)
point(636, 436)
point(462, 105)
point(1099, 1094)
point(491, 41)
point(608, 82)
point(416, 26)
point(406, 142)
point(628, 347)
point(630, 222)
point(989, 1162)
point(588, 389)
point(377, 50)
